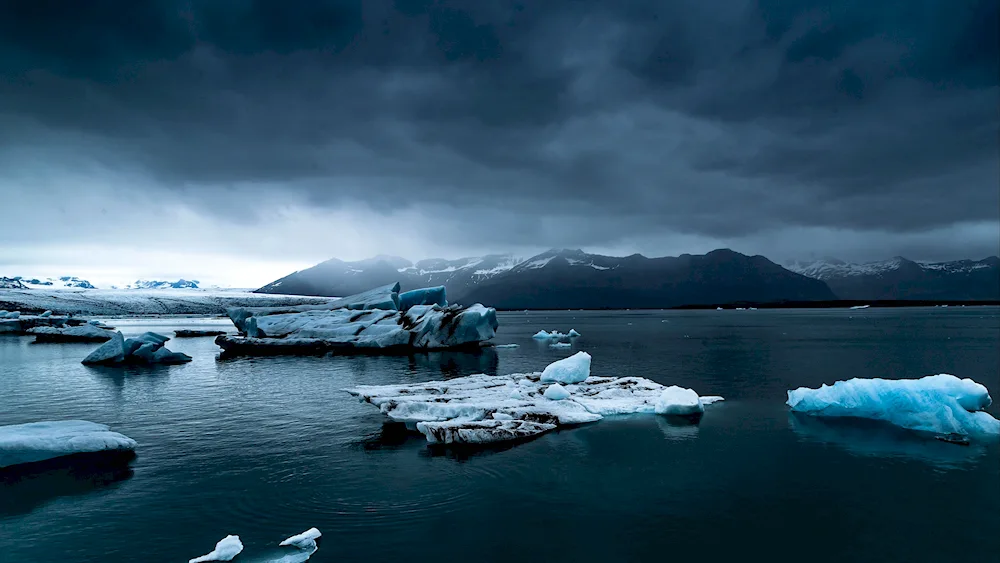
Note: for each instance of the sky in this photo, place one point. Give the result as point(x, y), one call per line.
point(238, 140)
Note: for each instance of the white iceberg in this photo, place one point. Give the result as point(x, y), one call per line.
point(481, 409)
point(943, 404)
point(678, 401)
point(80, 333)
point(507, 346)
point(227, 548)
point(860, 306)
point(574, 369)
point(146, 348)
point(573, 333)
point(41, 441)
point(560, 345)
point(421, 327)
point(555, 334)
point(305, 540)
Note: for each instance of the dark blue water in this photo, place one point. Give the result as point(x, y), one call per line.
point(268, 447)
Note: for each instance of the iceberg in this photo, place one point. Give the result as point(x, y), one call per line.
point(146, 348)
point(574, 369)
point(227, 548)
point(573, 333)
point(425, 296)
point(80, 333)
point(560, 345)
point(422, 327)
point(42, 441)
point(13, 315)
point(305, 540)
point(860, 306)
point(46, 314)
point(942, 405)
point(385, 298)
point(678, 401)
point(507, 346)
point(482, 409)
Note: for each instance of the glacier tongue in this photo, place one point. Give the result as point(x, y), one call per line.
point(481, 408)
point(938, 404)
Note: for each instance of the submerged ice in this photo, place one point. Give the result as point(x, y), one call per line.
point(942, 404)
point(482, 408)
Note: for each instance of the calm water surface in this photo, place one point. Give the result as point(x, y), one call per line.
point(268, 447)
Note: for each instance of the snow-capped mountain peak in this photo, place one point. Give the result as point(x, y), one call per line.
point(158, 284)
point(61, 282)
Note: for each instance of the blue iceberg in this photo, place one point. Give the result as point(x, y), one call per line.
point(942, 405)
point(425, 296)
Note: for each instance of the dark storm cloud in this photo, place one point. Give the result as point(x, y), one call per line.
point(719, 119)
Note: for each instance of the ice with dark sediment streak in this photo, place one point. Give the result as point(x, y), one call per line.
point(42, 441)
point(942, 405)
point(384, 297)
point(421, 327)
point(482, 409)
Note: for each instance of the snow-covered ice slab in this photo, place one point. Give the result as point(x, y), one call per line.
point(422, 327)
point(81, 333)
point(147, 348)
point(943, 405)
point(482, 409)
point(227, 548)
point(42, 441)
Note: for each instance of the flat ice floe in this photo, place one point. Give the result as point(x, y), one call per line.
point(42, 441)
point(943, 405)
point(370, 322)
point(482, 409)
point(227, 548)
point(81, 333)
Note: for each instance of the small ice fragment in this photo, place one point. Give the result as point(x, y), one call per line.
point(560, 345)
point(305, 540)
point(227, 548)
point(573, 332)
point(678, 401)
point(556, 392)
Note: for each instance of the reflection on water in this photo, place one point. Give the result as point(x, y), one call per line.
point(873, 438)
point(677, 429)
point(27, 487)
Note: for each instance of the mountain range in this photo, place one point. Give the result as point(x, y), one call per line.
point(569, 279)
point(899, 278)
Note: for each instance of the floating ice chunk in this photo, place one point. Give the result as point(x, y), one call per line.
point(227, 548)
point(560, 345)
point(573, 332)
point(144, 349)
point(556, 392)
point(46, 314)
point(507, 346)
point(425, 296)
point(573, 369)
point(40, 441)
point(81, 333)
point(709, 399)
point(939, 404)
point(541, 335)
point(14, 315)
point(860, 306)
point(111, 352)
point(718, 308)
point(305, 540)
point(678, 401)
point(482, 408)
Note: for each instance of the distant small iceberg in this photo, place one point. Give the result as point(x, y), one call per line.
point(81, 333)
point(860, 306)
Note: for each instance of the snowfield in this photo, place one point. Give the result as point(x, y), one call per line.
point(124, 302)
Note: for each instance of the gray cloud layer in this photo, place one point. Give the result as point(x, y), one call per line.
point(550, 123)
